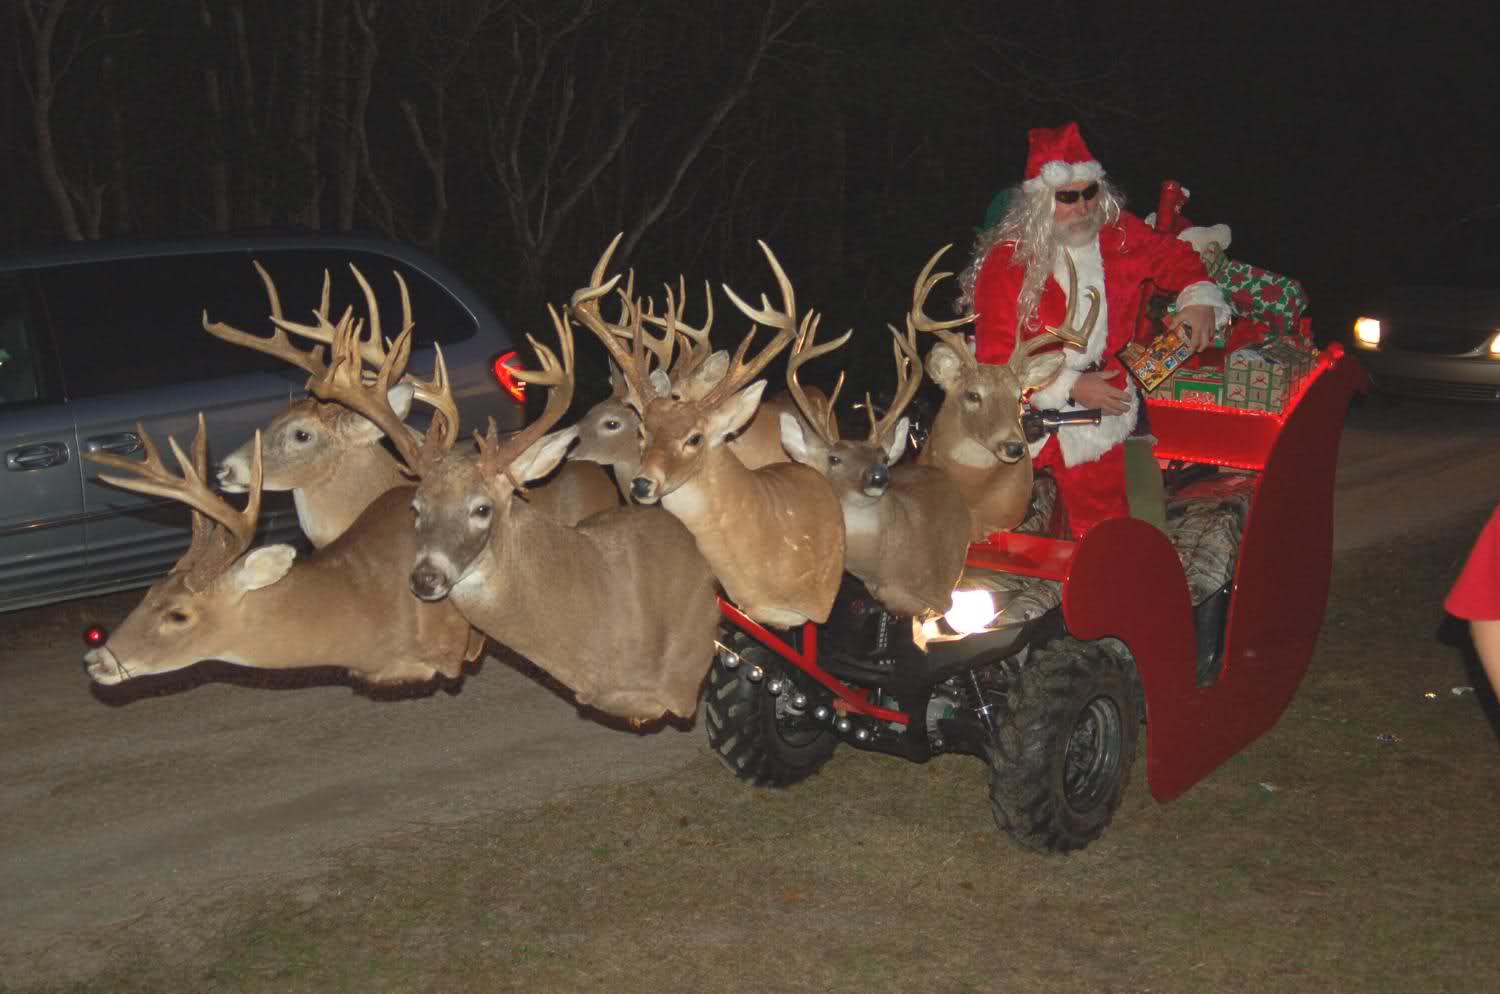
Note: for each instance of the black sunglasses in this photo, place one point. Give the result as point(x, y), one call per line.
point(1071, 196)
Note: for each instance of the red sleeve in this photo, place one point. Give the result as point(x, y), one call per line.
point(995, 304)
point(1476, 594)
point(1175, 263)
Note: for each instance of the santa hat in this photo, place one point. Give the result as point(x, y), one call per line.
point(1058, 157)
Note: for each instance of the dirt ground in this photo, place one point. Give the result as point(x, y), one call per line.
point(159, 812)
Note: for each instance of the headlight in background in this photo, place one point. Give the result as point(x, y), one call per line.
point(1367, 333)
point(1495, 346)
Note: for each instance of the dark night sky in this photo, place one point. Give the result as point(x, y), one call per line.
point(1335, 139)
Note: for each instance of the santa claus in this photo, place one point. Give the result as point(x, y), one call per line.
point(1018, 284)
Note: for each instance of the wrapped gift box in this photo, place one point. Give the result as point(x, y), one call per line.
point(1153, 362)
point(1263, 297)
point(1204, 385)
point(1262, 377)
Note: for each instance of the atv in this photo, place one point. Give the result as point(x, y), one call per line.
point(1057, 651)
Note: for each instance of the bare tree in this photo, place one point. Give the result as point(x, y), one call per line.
point(78, 208)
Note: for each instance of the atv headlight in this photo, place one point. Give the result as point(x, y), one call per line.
point(1367, 333)
point(972, 611)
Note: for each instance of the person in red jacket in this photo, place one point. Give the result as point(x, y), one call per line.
point(1475, 597)
point(1018, 285)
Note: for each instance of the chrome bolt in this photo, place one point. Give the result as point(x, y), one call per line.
point(822, 713)
point(774, 686)
point(799, 701)
point(843, 724)
point(863, 735)
point(756, 674)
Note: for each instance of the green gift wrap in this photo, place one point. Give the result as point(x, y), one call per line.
point(1262, 296)
point(1204, 385)
point(1262, 377)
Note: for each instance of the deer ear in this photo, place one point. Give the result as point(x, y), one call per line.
point(400, 397)
point(661, 383)
point(800, 444)
point(734, 413)
point(898, 441)
point(1041, 370)
point(360, 429)
point(705, 377)
point(543, 455)
point(943, 365)
point(262, 567)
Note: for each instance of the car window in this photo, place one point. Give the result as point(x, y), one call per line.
point(20, 360)
point(130, 324)
point(438, 316)
point(1468, 256)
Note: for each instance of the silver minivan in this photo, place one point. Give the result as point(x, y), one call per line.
point(98, 337)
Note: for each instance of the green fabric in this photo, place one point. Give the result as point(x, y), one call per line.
point(996, 210)
point(1143, 486)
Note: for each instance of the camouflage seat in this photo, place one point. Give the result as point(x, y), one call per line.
point(1204, 521)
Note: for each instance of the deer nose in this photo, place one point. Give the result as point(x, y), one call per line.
point(428, 583)
point(878, 478)
point(1014, 450)
point(640, 488)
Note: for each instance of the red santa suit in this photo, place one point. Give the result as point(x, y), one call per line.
point(1088, 461)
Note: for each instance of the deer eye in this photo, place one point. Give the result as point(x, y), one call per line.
point(483, 511)
point(302, 435)
point(972, 396)
point(613, 424)
point(177, 617)
point(835, 460)
point(695, 439)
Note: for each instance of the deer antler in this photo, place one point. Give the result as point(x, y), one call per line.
point(584, 307)
point(278, 344)
point(694, 343)
point(820, 417)
point(784, 321)
point(213, 549)
point(495, 456)
point(908, 380)
point(1065, 333)
point(917, 317)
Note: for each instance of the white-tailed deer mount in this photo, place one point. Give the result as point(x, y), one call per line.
point(331, 457)
point(347, 605)
point(906, 526)
point(609, 434)
point(977, 437)
point(621, 608)
point(774, 536)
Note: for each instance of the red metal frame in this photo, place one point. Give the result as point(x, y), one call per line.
point(847, 698)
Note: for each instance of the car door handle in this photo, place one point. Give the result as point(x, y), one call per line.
point(39, 456)
point(124, 443)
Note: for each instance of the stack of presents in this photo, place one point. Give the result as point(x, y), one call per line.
point(1255, 364)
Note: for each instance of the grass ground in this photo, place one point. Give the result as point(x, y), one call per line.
point(1349, 850)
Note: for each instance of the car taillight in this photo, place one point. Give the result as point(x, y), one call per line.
point(503, 366)
point(95, 635)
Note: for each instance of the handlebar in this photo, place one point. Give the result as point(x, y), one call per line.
point(1038, 423)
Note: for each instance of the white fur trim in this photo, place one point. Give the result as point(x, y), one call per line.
point(1055, 394)
point(1205, 292)
point(1200, 237)
point(1058, 173)
point(1081, 444)
point(1085, 443)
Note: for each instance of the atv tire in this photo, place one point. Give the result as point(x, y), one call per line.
point(744, 728)
point(1066, 743)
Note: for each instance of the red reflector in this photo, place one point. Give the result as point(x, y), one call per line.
point(95, 635)
point(504, 368)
